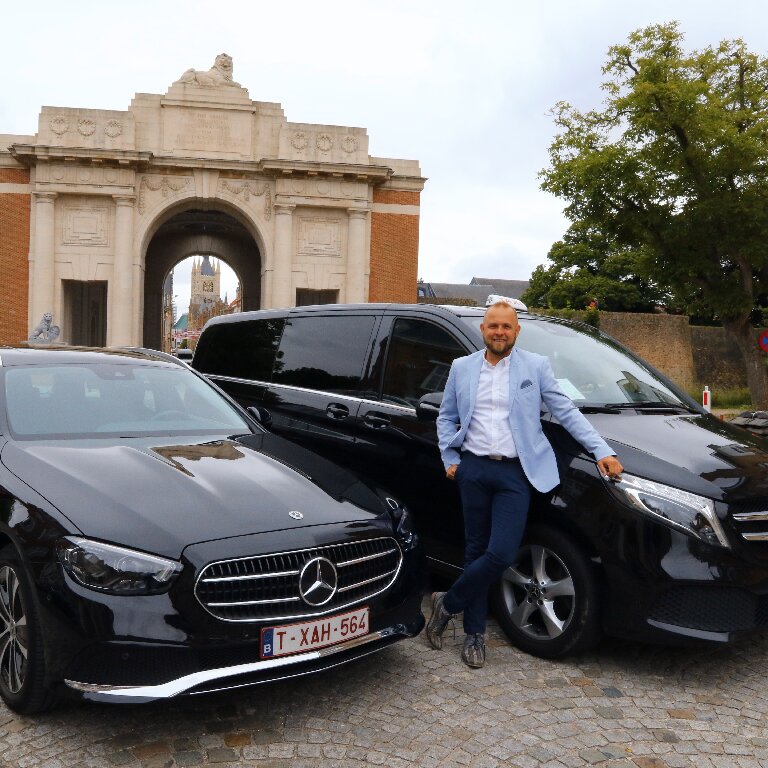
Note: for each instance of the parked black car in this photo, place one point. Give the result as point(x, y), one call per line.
point(678, 549)
point(156, 541)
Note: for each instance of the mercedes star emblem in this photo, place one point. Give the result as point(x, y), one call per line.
point(296, 515)
point(318, 581)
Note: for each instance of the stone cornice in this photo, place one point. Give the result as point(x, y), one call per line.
point(32, 154)
point(374, 174)
point(406, 183)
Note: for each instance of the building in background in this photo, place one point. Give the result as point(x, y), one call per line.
point(473, 294)
point(99, 205)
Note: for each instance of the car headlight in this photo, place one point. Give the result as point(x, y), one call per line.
point(116, 570)
point(687, 512)
point(405, 528)
point(402, 522)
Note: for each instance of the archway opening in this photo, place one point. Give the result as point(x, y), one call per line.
point(213, 234)
point(196, 289)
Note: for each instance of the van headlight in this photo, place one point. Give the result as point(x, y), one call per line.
point(687, 512)
point(116, 570)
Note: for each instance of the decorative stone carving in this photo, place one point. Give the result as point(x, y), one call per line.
point(349, 144)
point(59, 125)
point(86, 126)
point(113, 128)
point(299, 141)
point(85, 226)
point(324, 142)
point(319, 237)
point(219, 74)
point(45, 330)
point(246, 189)
point(164, 184)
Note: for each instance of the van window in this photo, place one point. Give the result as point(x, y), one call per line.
point(326, 353)
point(244, 350)
point(420, 356)
point(590, 368)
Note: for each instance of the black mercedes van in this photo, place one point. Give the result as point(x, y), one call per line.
point(676, 550)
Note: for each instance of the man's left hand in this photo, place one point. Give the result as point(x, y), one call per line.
point(610, 467)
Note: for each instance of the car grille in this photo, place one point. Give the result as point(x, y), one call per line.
point(712, 609)
point(751, 519)
point(266, 587)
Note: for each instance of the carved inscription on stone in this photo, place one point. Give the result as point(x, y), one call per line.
point(208, 130)
point(86, 225)
point(319, 237)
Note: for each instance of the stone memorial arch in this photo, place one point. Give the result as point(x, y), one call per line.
point(99, 205)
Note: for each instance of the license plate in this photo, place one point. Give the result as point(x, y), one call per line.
point(310, 635)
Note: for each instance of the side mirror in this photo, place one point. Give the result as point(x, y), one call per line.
point(262, 415)
point(429, 406)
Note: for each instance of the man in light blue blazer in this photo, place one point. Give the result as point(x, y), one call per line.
point(492, 445)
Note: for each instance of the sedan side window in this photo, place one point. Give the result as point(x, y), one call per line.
point(420, 356)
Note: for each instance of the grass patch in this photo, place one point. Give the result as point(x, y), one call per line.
point(737, 398)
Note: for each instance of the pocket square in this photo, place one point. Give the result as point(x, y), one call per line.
point(526, 383)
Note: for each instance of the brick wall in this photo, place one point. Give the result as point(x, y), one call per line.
point(14, 253)
point(716, 359)
point(394, 249)
point(663, 340)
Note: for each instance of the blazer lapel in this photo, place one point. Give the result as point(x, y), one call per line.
point(515, 363)
point(474, 380)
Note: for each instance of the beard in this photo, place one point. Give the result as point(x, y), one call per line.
point(500, 348)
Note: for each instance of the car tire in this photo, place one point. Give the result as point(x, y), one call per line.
point(547, 601)
point(22, 661)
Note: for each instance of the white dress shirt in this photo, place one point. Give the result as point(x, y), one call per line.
point(489, 432)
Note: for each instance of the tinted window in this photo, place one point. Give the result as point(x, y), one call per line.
point(420, 356)
point(590, 368)
point(71, 401)
point(326, 353)
point(245, 350)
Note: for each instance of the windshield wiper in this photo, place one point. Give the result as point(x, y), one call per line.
point(650, 404)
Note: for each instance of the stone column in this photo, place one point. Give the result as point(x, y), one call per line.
point(121, 290)
point(281, 294)
point(357, 258)
point(43, 280)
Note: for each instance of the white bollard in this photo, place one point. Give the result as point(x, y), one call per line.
point(706, 399)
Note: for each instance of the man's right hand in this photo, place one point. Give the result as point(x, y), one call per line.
point(450, 473)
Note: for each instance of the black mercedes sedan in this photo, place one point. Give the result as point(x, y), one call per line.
point(156, 541)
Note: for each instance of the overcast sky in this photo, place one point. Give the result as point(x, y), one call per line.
point(463, 87)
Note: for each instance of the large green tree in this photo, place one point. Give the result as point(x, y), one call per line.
point(675, 165)
point(587, 266)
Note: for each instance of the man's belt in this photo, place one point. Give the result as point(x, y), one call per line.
point(493, 456)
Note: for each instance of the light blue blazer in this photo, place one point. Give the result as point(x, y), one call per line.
point(531, 382)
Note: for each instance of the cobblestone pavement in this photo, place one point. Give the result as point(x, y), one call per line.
point(624, 705)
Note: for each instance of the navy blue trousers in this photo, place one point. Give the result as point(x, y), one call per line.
point(495, 496)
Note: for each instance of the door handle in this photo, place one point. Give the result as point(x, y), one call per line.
point(337, 411)
point(376, 420)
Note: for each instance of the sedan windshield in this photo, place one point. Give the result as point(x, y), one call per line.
point(591, 370)
point(128, 400)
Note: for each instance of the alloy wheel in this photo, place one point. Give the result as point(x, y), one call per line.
point(539, 593)
point(14, 638)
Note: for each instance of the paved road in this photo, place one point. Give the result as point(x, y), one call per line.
point(625, 705)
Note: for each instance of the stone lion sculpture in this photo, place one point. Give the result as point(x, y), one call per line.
point(219, 74)
point(45, 330)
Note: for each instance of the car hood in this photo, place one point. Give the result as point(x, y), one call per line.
point(696, 452)
point(161, 495)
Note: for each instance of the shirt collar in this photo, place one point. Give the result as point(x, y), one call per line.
point(503, 363)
